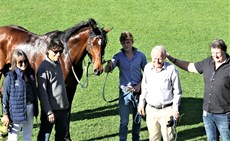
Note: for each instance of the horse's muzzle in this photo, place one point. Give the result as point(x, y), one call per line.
point(97, 72)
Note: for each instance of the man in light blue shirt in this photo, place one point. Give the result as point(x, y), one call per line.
point(131, 63)
point(161, 93)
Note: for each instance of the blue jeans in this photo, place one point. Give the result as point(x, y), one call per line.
point(60, 126)
point(215, 124)
point(125, 103)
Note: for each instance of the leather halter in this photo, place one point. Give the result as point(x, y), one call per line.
point(91, 36)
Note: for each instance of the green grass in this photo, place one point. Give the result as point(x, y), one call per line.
point(185, 27)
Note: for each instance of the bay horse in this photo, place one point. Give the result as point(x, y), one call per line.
point(82, 39)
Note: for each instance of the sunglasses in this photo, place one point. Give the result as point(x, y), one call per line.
point(57, 51)
point(21, 62)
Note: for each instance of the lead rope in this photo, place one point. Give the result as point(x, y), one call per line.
point(86, 80)
point(138, 116)
point(103, 90)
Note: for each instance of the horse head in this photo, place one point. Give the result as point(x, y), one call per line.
point(86, 38)
point(97, 44)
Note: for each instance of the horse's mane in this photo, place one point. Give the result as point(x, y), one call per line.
point(20, 28)
point(54, 34)
point(70, 31)
point(90, 23)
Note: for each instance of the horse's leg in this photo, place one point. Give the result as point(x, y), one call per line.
point(70, 93)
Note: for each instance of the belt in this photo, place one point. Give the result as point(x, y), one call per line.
point(161, 106)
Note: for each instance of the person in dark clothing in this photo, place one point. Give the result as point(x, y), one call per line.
point(52, 94)
point(216, 74)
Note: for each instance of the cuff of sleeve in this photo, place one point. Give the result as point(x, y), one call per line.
point(175, 108)
point(4, 112)
point(49, 113)
point(141, 104)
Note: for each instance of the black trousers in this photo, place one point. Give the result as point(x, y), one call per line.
point(60, 126)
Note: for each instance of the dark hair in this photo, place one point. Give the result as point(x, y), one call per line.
point(219, 43)
point(55, 44)
point(126, 36)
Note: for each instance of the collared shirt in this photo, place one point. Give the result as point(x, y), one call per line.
point(216, 85)
point(130, 70)
point(160, 88)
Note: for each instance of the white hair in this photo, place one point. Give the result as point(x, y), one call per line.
point(158, 48)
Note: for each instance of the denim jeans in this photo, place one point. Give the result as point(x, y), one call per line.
point(215, 124)
point(60, 126)
point(125, 103)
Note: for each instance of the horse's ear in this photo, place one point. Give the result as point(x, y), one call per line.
point(107, 30)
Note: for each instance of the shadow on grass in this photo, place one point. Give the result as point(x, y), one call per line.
point(191, 108)
point(114, 135)
point(192, 133)
point(95, 113)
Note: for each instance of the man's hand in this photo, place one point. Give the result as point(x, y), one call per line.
point(176, 115)
point(141, 110)
point(51, 118)
point(137, 88)
point(108, 66)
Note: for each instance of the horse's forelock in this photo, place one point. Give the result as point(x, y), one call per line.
point(92, 23)
point(98, 32)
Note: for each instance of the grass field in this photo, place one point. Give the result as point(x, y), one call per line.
point(186, 28)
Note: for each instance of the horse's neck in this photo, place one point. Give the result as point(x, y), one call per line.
point(77, 56)
point(77, 48)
